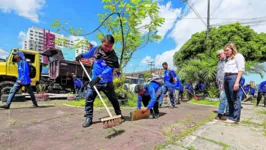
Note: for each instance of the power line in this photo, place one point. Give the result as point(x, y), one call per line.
point(195, 11)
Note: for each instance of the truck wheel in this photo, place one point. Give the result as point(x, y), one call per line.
point(5, 87)
point(17, 98)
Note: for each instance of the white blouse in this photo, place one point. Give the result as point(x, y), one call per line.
point(235, 65)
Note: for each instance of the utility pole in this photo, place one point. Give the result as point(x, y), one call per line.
point(208, 18)
point(151, 64)
point(208, 28)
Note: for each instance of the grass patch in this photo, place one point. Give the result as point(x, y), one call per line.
point(205, 102)
point(262, 112)
point(225, 146)
point(247, 122)
point(132, 102)
point(12, 122)
point(264, 132)
point(172, 138)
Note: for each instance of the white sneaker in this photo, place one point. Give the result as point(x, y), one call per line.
point(230, 121)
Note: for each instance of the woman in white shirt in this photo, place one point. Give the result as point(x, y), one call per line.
point(233, 70)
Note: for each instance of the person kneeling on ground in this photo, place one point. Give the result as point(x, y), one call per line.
point(149, 94)
point(262, 91)
point(22, 80)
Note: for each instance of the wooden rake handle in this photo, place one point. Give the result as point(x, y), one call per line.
point(98, 93)
point(244, 91)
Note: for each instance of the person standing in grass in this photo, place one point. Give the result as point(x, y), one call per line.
point(234, 67)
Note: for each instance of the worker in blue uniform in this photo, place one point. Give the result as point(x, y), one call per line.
point(105, 65)
point(261, 92)
point(77, 84)
point(177, 89)
point(23, 79)
point(169, 82)
point(149, 94)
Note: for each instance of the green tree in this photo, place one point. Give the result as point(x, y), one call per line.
point(147, 75)
point(194, 63)
point(133, 14)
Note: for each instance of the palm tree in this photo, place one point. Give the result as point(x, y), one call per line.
point(201, 68)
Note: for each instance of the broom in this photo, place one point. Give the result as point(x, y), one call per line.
point(247, 96)
point(109, 121)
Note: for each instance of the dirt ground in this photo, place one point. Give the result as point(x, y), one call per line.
point(60, 127)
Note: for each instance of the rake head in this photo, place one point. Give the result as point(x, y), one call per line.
point(247, 98)
point(110, 122)
point(196, 98)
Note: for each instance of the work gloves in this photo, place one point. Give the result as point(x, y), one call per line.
point(95, 81)
point(79, 57)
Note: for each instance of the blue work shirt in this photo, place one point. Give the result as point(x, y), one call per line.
point(168, 74)
point(23, 70)
point(242, 81)
point(78, 83)
point(252, 91)
point(149, 91)
point(246, 89)
point(178, 83)
point(262, 87)
point(100, 67)
point(190, 88)
point(202, 86)
point(181, 89)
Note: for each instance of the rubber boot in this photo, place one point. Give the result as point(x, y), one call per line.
point(87, 123)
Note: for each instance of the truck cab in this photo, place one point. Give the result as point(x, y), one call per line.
point(9, 69)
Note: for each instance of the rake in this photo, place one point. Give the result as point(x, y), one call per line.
point(111, 120)
point(194, 96)
point(247, 96)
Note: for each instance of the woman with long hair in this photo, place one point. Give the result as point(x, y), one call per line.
point(233, 70)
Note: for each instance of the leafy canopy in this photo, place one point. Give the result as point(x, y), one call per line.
point(140, 19)
point(194, 62)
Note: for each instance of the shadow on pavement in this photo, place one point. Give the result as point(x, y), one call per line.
point(116, 133)
point(162, 114)
point(32, 107)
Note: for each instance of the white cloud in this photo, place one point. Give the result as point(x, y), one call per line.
point(222, 11)
point(146, 60)
point(22, 35)
point(24, 8)
point(94, 43)
point(167, 56)
point(171, 14)
point(3, 53)
point(166, 11)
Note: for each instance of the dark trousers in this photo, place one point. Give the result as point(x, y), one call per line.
point(260, 94)
point(16, 88)
point(109, 91)
point(146, 100)
point(232, 96)
point(181, 95)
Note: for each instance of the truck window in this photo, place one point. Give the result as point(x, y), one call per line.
point(30, 57)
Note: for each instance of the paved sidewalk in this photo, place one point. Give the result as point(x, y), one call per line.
point(249, 134)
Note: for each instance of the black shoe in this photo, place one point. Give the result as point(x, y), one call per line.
point(122, 119)
point(157, 115)
point(160, 105)
point(87, 123)
point(6, 106)
point(35, 105)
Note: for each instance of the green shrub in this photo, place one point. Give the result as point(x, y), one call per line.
point(213, 92)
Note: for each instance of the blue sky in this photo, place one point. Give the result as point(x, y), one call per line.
point(17, 16)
